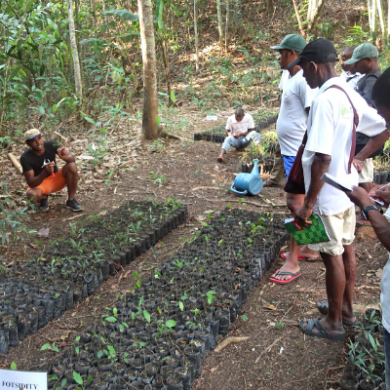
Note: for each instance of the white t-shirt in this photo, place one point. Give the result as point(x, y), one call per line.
point(329, 129)
point(285, 76)
point(241, 127)
point(351, 79)
point(292, 119)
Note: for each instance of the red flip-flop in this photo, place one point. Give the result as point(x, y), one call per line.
point(293, 277)
point(284, 257)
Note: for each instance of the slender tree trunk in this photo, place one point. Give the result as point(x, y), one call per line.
point(75, 54)
point(219, 16)
point(388, 21)
point(299, 18)
point(104, 10)
point(164, 50)
point(381, 19)
point(227, 26)
point(93, 13)
point(316, 15)
point(150, 128)
point(196, 36)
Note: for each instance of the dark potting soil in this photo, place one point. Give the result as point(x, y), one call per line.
point(36, 292)
point(158, 336)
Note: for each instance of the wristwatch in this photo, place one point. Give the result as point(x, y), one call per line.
point(368, 208)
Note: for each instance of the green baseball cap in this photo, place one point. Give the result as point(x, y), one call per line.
point(366, 50)
point(292, 42)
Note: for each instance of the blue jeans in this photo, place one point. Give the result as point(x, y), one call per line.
point(386, 339)
point(288, 163)
point(241, 142)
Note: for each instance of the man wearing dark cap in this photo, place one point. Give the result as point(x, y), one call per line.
point(330, 148)
point(42, 174)
point(291, 126)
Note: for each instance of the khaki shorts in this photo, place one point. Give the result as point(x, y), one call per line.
point(341, 230)
point(367, 173)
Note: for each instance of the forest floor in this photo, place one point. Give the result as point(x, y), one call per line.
point(276, 355)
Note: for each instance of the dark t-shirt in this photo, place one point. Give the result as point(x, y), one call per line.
point(365, 85)
point(30, 161)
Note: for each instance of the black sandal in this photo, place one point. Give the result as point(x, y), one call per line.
point(308, 330)
point(323, 307)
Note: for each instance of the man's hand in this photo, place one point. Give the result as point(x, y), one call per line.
point(237, 135)
point(303, 214)
point(358, 164)
point(49, 168)
point(62, 153)
point(382, 195)
point(360, 197)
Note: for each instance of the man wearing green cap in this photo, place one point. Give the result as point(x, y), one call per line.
point(365, 61)
point(291, 126)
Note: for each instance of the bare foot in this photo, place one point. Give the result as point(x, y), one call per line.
point(305, 251)
point(286, 268)
point(220, 159)
point(269, 183)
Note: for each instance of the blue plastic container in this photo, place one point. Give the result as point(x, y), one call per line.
point(248, 183)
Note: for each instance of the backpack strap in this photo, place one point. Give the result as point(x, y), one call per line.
point(355, 125)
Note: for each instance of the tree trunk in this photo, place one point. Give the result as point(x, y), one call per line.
point(196, 36)
point(270, 6)
point(371, 7)
point(164, 50)
point(388, 22)
point(316, 15)
point(381, 19)
point(299, 18)
point(75, 54)
point(220, 28)
point(227, 26)
point(150, 128)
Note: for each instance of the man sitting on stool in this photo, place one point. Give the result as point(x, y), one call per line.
point(41, 172)
point(240, 132)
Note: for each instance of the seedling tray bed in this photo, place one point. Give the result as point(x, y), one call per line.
point(36, 292)
point(158, 336)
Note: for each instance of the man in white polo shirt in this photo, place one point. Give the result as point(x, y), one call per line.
point(330, 148)
point(240, 132)
point(291, 127)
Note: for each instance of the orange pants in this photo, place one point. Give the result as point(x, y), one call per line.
point(50, 184)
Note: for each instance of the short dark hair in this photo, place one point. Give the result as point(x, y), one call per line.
point(240, 112)
point(381, 90)
point(349, 50)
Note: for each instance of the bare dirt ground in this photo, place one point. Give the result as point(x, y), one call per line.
point(276, 355)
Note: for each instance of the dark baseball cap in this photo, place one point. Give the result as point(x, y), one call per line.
point(319, 51)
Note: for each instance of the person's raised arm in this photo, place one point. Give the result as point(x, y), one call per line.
point(65, 155)
point(379, 223)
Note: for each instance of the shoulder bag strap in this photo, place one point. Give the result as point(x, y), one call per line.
point(355, 125)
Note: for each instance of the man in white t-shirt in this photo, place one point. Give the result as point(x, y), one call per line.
point(291, 127)
point(350, 74)
point(240, 132)
point(330, 148)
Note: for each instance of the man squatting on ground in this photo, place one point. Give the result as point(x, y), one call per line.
point(330, 148)
point(42, 174)
point(239, 132)
point(380, 96)
point(291, 126)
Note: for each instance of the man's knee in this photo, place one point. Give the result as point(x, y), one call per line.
point(35, 195)
point(70, 167)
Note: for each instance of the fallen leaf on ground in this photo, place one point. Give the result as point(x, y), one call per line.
point(270, 307)
point(43, 232)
